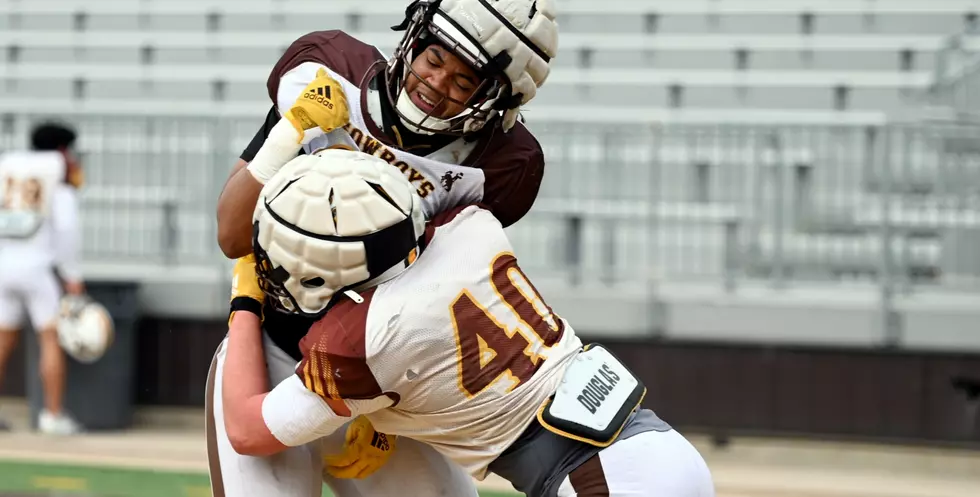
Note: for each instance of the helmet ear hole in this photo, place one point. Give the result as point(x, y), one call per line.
point(312, 282)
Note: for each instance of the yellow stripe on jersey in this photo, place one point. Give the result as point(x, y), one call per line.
point(315, 372)
point(307, 379)
point(332, 389)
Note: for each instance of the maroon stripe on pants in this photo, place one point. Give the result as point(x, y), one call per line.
point(588, 480)
point(214, 465)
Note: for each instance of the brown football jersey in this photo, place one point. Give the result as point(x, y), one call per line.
point(501, 171)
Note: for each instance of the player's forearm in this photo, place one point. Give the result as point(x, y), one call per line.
point(237, 201)
point(245, 370)
point(244, 387)
point(235, 206)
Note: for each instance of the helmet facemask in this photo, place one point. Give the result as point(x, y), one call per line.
point(272, 279)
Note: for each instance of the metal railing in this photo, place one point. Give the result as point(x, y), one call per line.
point(896, 205)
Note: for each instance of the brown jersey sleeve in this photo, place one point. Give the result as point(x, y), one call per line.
point(347, 56)
point(513, 166)
point(334, 364)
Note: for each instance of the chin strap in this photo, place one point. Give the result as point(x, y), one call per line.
point(351, 294)
point(388, 274)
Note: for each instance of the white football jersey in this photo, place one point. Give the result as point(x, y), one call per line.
point(28, 181)
point(38, 212)
point(461, 342)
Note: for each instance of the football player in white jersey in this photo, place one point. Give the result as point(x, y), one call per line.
point(39, 234)
point(443, 111)
point(433, 332)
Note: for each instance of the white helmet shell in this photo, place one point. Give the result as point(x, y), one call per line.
point(331, 221)
point(529, 37)
point(85, 328)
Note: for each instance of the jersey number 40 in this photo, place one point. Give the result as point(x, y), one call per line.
point(506, 338)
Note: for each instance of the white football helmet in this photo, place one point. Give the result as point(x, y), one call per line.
point(85, 328)
point(509, 42)
point(332, 222)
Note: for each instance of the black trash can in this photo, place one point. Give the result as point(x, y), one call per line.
point(99, 395)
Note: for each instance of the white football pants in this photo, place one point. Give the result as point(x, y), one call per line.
point(32, 287)
point(414, 470)
point(653, 463)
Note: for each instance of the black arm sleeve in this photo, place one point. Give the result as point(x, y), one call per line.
point(253, 147)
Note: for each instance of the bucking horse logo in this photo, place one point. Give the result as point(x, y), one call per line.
point(449, 179)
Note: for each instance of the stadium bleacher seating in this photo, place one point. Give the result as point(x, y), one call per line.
point(690, 135)
point(716, 54)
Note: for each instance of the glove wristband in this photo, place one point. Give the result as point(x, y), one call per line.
point(247, 304)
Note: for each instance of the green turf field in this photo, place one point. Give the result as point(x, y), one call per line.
point(22, 479)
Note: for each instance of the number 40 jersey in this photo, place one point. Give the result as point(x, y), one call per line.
point(461, 343)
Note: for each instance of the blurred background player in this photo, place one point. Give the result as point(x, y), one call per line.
point(39, 244)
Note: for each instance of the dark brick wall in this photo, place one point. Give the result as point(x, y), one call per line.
point(882, 395)
point(727, 389)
